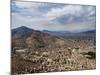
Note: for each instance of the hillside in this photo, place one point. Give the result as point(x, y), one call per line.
point(35, 51)
point(24, 37)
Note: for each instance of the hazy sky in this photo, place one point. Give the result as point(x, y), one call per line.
point(51, 16)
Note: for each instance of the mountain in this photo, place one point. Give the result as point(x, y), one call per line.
point(90, 31)
point(38, 51)
point(67, 33)
point(23, 37)
point(21, 31)
point(57, 33)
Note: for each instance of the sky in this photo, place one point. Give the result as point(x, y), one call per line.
point(53, 16)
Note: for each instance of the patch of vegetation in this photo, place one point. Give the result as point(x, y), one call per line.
point(92, 55)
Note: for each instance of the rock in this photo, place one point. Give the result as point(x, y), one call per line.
point(49, 60)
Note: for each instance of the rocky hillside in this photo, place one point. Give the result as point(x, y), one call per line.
point(34, 51)
point(24, 37)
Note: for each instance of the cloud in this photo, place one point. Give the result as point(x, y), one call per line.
point(72, 11)
point(28, 4)
point(74, 17)
point(51, 16)
point(66, 10)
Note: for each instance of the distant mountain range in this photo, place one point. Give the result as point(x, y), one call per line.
point(91, 31)
point(25, 31)
point(24, 37)
point(67, 33)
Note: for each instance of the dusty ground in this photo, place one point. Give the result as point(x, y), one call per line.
point(69, 55)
